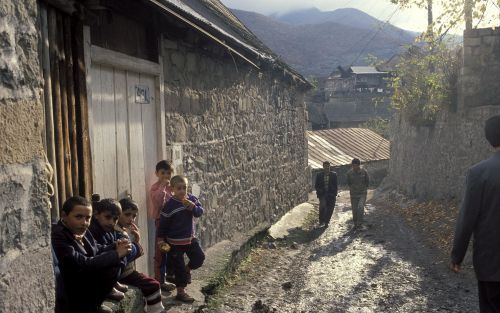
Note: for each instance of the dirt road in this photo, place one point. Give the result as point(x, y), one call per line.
point(385, 267)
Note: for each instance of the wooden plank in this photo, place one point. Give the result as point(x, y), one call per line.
point(64, 107)
point(70, 87)
point(123, 61)
point(82, 70)
point(97, 140)
point(122, 157)
point(150, 135)
point(136, 152)
point(56, 96)
point(108, 129)
point(49, 112)
point(160, 105)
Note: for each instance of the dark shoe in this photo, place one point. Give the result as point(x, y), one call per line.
point(170, 278)
point(116, 295)
point(121, 287)
point(184, 297)
point(167, 287)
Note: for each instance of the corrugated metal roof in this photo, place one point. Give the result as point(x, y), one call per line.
point(365, 70)
point(340, 145)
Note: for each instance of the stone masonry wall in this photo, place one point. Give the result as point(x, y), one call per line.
point(238, 134)
point(26, 276)
point(431, 162)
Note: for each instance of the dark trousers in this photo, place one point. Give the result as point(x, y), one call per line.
point(149, 287)
point(489, 296)
point(195, 255)
point(326, 207)
point(161, 263)
point(86, 294)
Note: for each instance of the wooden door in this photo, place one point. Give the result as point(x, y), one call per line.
point(124, 140)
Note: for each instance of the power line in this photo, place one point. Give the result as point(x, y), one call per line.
point(374, 35)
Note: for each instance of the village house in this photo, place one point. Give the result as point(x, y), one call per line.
point(93, 93)
point(351, 97)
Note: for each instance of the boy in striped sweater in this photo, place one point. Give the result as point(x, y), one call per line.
point(177, 229)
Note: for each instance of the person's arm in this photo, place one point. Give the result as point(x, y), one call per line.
point(198, 210)
point(157, 199)
point(467, 218)
point(67, 255)
point(318, 185)
point(335, 185)
point(349, 181)
point(164, 223)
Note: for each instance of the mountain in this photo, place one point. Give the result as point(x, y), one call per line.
point(315, 42)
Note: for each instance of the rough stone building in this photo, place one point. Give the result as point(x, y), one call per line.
point(100, 90)
point(431, 162)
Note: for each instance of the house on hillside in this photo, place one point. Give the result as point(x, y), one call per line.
point(352, 97)
point(94, 93)
point(339, 146)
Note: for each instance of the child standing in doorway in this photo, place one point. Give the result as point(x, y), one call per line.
point(159, 194)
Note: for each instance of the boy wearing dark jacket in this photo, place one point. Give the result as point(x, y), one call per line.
point(177, 229)
point(88, 270)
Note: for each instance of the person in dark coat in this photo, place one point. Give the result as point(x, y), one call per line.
point(88, 270)
point(326, 190)
point(480, 217)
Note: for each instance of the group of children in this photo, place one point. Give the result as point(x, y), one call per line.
point(96, 243)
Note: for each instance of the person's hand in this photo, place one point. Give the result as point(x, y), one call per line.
point(123, 247)
point(188, 204)
point(134, 230)
point(456, 268)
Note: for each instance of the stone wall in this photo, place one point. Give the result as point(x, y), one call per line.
point(431, 162)
point(26, 276)
point(238, 134)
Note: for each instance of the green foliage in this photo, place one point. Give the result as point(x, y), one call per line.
point(379, 126)
point(425, 83)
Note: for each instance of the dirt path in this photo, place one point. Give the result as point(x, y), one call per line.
point(383, 268)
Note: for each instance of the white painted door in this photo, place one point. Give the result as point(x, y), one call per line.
point(124, 140)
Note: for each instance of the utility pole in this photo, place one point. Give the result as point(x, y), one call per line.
point(430, 20)
point(468, 14)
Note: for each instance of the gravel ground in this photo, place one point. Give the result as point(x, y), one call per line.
point(386, 267)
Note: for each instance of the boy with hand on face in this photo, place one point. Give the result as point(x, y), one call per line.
point(177, 229)
point(149, 287)
point(88, 270)
point(159, 194)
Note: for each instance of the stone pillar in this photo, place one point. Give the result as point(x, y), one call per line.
point(26, 275)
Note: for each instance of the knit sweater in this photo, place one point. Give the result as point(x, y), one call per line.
point(177, 225)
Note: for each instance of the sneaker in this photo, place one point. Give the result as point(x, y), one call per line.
point(167, 286)
point(104, 309)
point(116, 295)
point(184, 297)
point(121, 287)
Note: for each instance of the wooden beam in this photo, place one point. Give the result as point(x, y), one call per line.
point(123, 61)
point(82, 112)
point(70, 87)
point(67, 6)
point(63, 80)
point(49, 112)
point(56, 96)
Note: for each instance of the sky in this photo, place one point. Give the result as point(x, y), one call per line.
point(411, 19)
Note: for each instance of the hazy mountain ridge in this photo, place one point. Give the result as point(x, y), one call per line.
point(316, 42)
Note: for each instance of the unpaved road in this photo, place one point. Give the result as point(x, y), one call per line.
point(383, 268)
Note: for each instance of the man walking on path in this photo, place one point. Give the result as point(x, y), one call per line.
point(326, 191)
point(358, 181)
point(480, 216)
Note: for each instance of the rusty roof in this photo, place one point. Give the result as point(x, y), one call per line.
point(340, 145)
